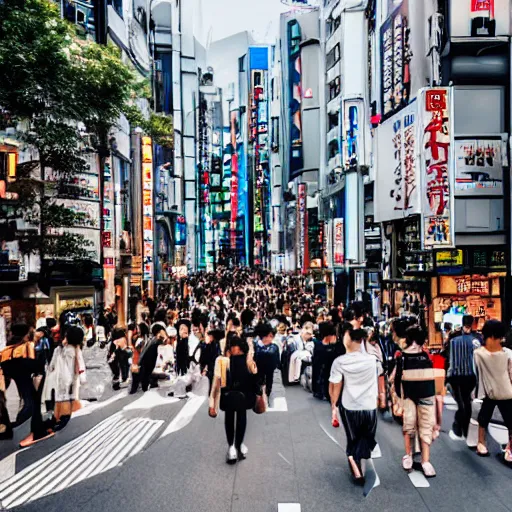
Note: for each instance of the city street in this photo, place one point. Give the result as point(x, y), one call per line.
point(151, 452)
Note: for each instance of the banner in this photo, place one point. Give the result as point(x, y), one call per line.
point(397, 176)
point(396, 58)
point(147, 188)
point(339, 242)
point(302, 228)
point(436, 168)
point(478, 167)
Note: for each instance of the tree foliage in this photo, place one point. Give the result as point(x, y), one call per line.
point(67, 93)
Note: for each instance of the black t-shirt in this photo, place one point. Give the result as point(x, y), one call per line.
point(418, 389)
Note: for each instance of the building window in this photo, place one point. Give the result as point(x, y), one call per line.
point(117, 5)
point(333, 121)
point(333, 148)
point(241, 64)
point(275, 133)
point(331, 25)
point(334, 88)
point(333, 57)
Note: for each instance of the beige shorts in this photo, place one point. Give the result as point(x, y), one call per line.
point(420, 418)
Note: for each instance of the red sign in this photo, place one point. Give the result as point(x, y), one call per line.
point(435, 100)
point(308, 93)
point(107, 239)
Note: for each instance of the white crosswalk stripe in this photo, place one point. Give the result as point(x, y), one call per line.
point(102, 448)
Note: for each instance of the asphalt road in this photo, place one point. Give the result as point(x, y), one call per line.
point(154, 453)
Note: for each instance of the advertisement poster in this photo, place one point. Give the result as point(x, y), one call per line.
point(147, 187)
point(397, 177)
point(339, 242)
point(437, 183)
point(478, 167)
point(396, 57)
point(302, 228)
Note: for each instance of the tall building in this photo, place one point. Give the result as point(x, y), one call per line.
point(301, 106)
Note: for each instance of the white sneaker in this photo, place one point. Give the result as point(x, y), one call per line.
point(243, 451)
point(455, 437)
point(231, 456)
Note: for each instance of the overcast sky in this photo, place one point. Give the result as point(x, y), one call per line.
point(227, 17)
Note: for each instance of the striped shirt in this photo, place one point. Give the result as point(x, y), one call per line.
point(461, 355)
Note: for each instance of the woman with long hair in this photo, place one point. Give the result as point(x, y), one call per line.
point(234, 392)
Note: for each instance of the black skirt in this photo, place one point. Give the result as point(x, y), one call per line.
point(360, 428)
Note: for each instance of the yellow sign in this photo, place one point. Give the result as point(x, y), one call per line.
point(81, 303)
point(449, 258)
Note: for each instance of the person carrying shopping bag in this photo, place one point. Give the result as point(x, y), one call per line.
point(65, 374)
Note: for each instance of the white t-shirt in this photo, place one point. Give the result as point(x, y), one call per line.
point(358, 372)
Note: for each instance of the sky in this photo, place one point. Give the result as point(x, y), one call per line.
point(227, 17)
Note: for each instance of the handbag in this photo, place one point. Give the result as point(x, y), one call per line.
point(261, 404)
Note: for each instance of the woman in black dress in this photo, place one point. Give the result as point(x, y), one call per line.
point(234, 392)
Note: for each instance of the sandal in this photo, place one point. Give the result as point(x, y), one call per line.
point(482, 452)
point(407, 462)
point(428, 470)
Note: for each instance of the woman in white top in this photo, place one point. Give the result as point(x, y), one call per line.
point(356, 374)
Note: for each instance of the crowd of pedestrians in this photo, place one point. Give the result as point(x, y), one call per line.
point(231, 331)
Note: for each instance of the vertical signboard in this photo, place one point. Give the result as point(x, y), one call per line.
point(396, 58)
point(234, 179)
point(339, 242)
point(397, 176)
point(302, 228)
point(436, 168)
point(148, 217)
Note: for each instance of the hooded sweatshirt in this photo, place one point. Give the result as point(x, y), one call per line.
point(359, 372)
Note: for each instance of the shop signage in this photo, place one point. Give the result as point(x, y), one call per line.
point(498, 260)
point(491, 259)
point(448, 262)
point(396, 58)
point(339, 242)
point(147, 187)
point(302, 228)
point(78, 186)
point(468, 285)
point(397, 179)
point(437, 184)
point(76, 303)
point(478, 167)
point(180, 231)
point(352, 137)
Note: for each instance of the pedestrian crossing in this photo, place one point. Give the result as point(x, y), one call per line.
point(106, 446)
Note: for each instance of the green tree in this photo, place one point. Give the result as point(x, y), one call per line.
point(66, 94)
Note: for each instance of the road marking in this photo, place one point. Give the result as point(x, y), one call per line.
point(104, 447)
point(500, 434)
point(184, 417)
point(449, 400)
point(418, 479)
point(377, 453)
point(284, 458)
point(329, 435)
point(288, 507)
point(89, 407)
point(372, 479)
point(149, 400)
point(279, 405)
